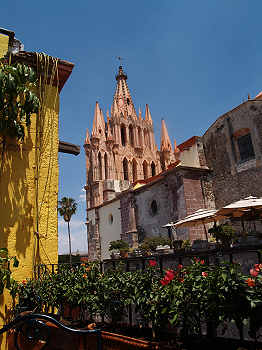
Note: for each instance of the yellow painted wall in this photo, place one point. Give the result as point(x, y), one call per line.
point(109, 231)
point(19, 197)
point(4, 39)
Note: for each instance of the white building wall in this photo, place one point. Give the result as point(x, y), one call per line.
point(109, 230)
point(190, 157)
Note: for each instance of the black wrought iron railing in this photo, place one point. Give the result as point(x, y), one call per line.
point(37, 328)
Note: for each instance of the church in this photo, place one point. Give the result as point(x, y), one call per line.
point(132, 187)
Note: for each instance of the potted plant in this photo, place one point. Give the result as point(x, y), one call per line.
point(186, 244)
point(119, 246)
point(177, 244)
point(150, 244)
point(224, 234)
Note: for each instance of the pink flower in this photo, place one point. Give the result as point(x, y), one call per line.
point(204, 274)
point(179, 266)
point(253, 273)
point(196, 259)
point(152, 263)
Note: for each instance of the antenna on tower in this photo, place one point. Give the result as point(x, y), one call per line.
point(120, 60)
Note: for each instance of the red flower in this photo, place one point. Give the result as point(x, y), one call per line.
point(204, 274)
point(179, 266)
point(250, 282)
point(170, 274)
point(257, 268)
point(253, 273)
point(164, 282)
point(24, 282)
point(152, 262)
point(202, 262)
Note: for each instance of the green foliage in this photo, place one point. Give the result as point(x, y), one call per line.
point(67, 207)
point(186, 296)
point(6, 281)
point(225, 234)
point(151, 243)
point(186, 243)
point(119, 245)
point(17, 98)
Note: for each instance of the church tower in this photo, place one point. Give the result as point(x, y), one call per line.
point(121, 150)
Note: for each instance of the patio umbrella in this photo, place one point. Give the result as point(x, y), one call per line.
point(248, 208)
point(241, 207)
point(201, 216)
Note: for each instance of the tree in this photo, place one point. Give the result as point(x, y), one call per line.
point(66, 208)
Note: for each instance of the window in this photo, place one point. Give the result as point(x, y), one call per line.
point(134, 170)
point(139, 136)
point(106, 166)
point(154, 207)
point(99, 166)
point(145, 171)
point(153, 169)
point(125, 169)
point(245, 147)
point(131, 135)
point(110, 219)
point(123, 135)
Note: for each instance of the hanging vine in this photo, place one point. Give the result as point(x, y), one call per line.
point(17, 98)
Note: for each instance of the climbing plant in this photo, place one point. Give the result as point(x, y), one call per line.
point(18, 99)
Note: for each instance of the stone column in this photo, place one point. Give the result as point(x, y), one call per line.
point(132, 232)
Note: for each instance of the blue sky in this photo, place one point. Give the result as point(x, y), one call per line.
point(191, 61)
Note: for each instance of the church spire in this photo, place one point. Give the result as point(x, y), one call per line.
point(165, 140)
point(87, 139)
point(122, 98)
point(98, 123)
point(148, 117)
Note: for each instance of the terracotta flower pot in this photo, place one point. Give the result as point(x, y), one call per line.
point(113, 341)
point(124, 254)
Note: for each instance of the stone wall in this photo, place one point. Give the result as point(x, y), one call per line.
point(234, 179)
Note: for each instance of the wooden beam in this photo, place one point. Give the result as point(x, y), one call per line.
point(66, 147)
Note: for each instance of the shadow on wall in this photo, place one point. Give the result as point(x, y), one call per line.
point(17, 195)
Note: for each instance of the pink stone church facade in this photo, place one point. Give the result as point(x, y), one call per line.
point(122, 154)
point(122, 150)
point(133, 188)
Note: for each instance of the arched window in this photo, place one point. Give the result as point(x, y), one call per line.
point(106, 166)
point(145, 138)
point(125, 169)
point(139, 136)
point(134, 170)
point(100, 174)
point(153, 169)
point(131, 135)
point(123, 135)
point(145, 170)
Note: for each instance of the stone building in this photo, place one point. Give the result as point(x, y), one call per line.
point(133, 188)
point(233, 149)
